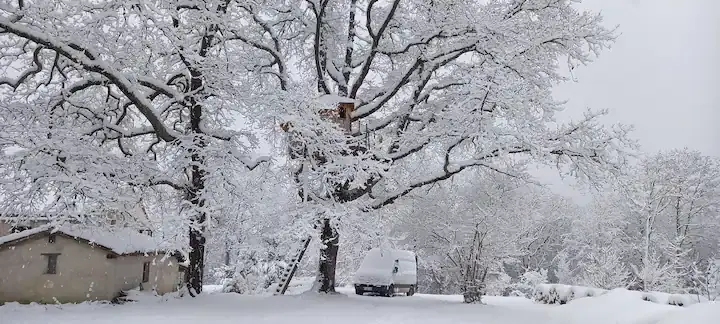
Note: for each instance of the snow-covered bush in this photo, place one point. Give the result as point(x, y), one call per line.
point(672, 299)
point(656, 275)
point(604, 269)
point(706, 279)
point(225, 275)
point(528, 282)
point(564, 271)
point(553, 294)
point(501, 285)
point(562, 294)
point(251, 274)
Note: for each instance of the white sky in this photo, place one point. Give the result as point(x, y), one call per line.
point(662, 75)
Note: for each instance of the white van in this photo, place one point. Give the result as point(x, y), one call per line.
point(386, 272)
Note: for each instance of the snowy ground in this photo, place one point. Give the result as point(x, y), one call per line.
point(347, 308)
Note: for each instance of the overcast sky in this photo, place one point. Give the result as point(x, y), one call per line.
point(661, 75)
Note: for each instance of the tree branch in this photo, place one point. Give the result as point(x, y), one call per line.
point(374, 45)
point(85, 58)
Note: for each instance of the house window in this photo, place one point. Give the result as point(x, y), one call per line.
point(146, 272)
point(51, 238)
point(51, 262)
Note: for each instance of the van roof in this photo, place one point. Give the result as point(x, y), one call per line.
point(397, 254)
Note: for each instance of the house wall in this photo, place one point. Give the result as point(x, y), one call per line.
point(82, 272)
point(4, 228)
point(163, 278)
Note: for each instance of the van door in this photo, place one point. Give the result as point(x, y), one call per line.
point(405, 275)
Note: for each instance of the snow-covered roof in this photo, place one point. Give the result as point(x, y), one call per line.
point(120, 241)
point(20, 235)
point(23, 218)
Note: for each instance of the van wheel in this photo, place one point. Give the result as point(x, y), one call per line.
point(390, 291)
point(411, 291)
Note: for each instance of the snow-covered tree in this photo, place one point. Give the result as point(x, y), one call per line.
point(672, 198)
point(476, 228)
point(565, 272)
point(604, 268)
point(150, 94)
point(449, 85)
point(595, 246)
point(105, 98)
point(659, 223)
point(706, 279)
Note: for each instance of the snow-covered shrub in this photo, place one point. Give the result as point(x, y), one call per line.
point(225, 275)
point(562, 294)
point(553, 294)
point(528, 282)
point(682, 300)
point(498, 286)
point(564, 271)
point(648, 296)
point(251, 274)
point(705, 279)
point(604, 269)
point(677, 300)
point(656, 275)
point(581, 291)
point(713, 280)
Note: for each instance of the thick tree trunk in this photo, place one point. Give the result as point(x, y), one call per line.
point(194, 194)
point(197, 260)
point(197, 231)
point(328, 258)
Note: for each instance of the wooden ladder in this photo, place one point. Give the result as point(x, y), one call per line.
point(292, 267)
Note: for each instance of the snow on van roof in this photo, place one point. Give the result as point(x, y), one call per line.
point(398, 254)
point(380, 256)
point(383, 259)
point(120, 241)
